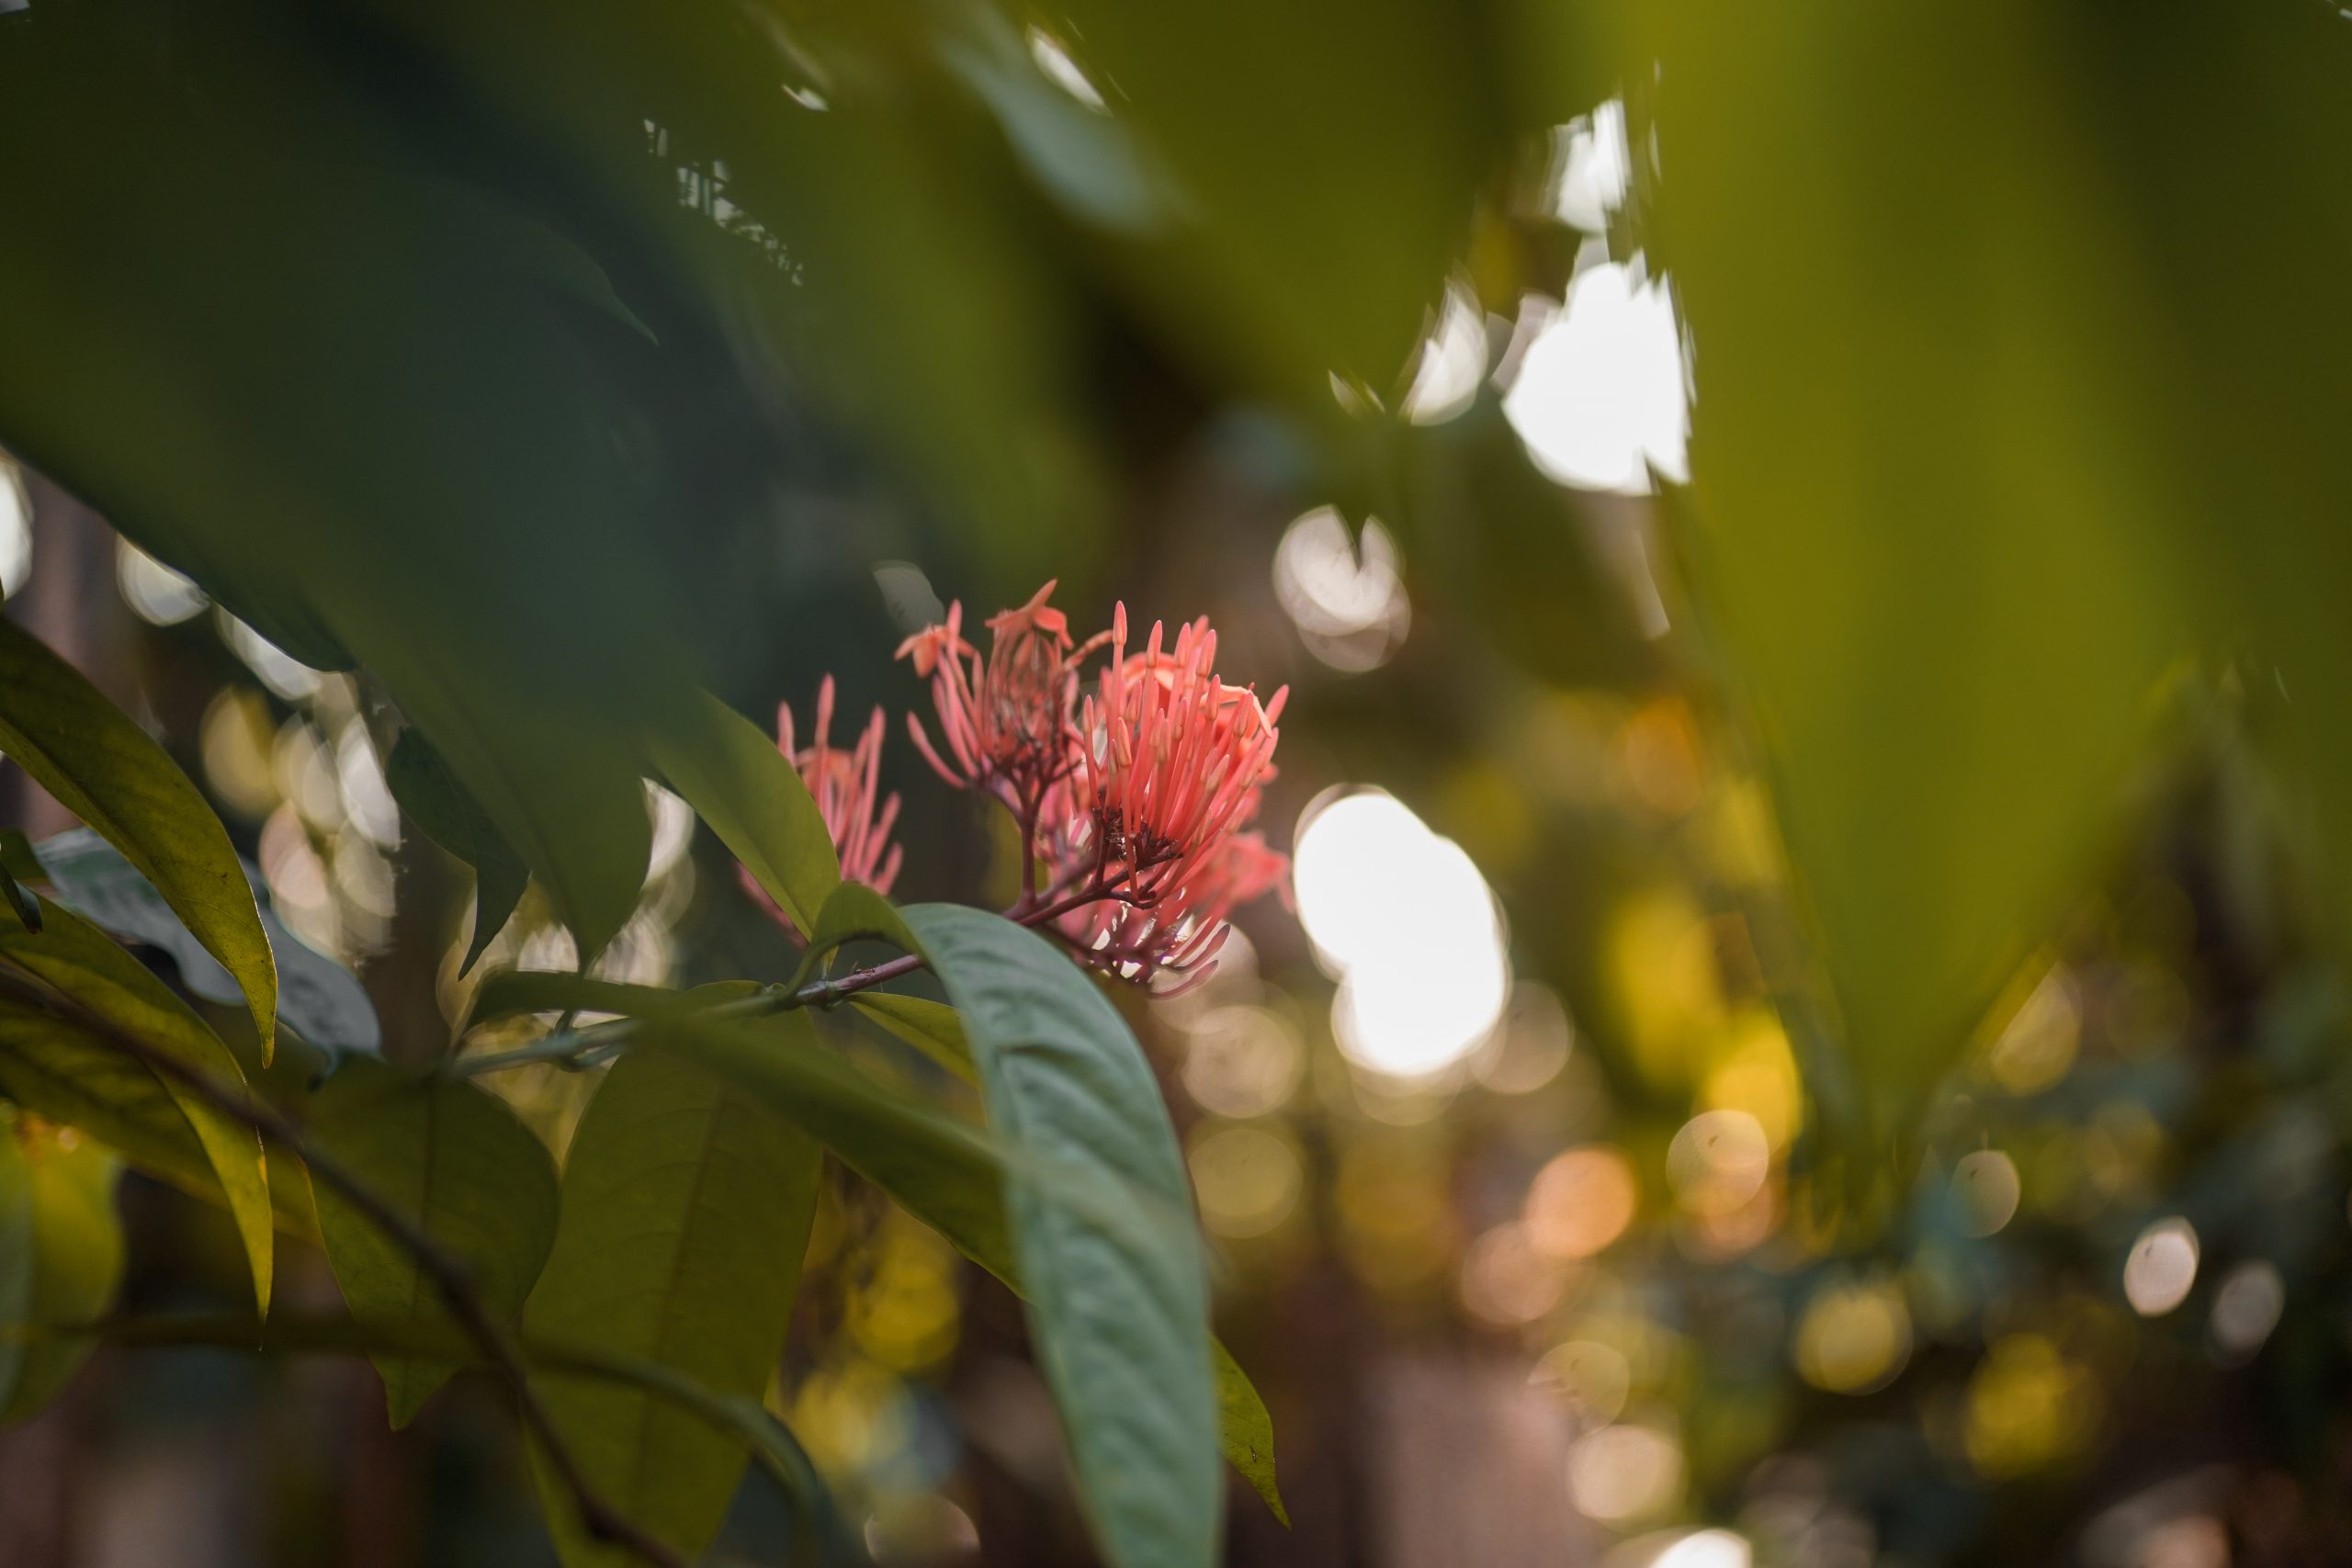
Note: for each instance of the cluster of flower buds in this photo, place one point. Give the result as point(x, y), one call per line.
point(1133, 798)
point(844, 784)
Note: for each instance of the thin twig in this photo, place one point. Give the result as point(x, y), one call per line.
point(450, 1276)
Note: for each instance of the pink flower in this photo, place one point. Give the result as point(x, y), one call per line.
point(1135, 804)
point(844, 785)
point(1005, 719)
point(1173, 761)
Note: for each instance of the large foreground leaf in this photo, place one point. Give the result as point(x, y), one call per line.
point(686, 1207)
point(1921, 491)
point(110, 773)
point(1119, 1314)
point(453, 1161)
point(76, 959)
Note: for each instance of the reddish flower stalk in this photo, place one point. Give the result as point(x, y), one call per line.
point(844, 785)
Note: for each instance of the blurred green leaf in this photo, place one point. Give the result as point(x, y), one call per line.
point(1922, 492)
point(686, 1208)
point(1089, 161)
point(1120, 1316)
point(434, 799)
point(317, 999)
point(80, 962)
point(751, 796)
point(60, 1254)
point(1318, 220)
point(110, 773)
point(456, 1162)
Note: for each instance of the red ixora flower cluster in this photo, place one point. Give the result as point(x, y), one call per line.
point(1134, 797)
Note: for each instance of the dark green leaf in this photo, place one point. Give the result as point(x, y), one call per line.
point(1119, 1314)
point(317, 998)
point(751, 796)
point(16, 861)
point(110, 773)
point(434, 799)
point(1278, 169)
point(452, 1160)
point(78, 961)
point(686, 1208)
point(61, 1253)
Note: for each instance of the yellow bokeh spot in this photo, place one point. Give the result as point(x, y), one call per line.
point(1589, 1378)
point(1395, 1222)
point(1854, 1337)
point(1662, 955)
point(1758, 1076)
point(1741, 837)
point(1247, 1180)
point(849, 1415)
point(2028, 1407)
point(903, 1312)
point(236, 739)
point(1656, 753)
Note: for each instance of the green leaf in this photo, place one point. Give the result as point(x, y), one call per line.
point(434, 799)
point(1921, 487)
point(110, 773)
point(67, 1074)
point(61, 1253)
point(752, 797)
point(940, 1168)
point(929, 1027)
point(686, 1209)
point(1119, 1316)
point(455, 1162)
point(1245, 1430)
point(17, 860)
point(78, 961)
point(317, 998)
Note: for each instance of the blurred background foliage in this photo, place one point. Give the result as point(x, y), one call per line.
point(1808, 540)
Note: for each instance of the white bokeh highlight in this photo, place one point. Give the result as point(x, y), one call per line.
point(1405, 921)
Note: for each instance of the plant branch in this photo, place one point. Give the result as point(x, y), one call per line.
point(577, 1050)
point(450, 1277)
point(771, 1443)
